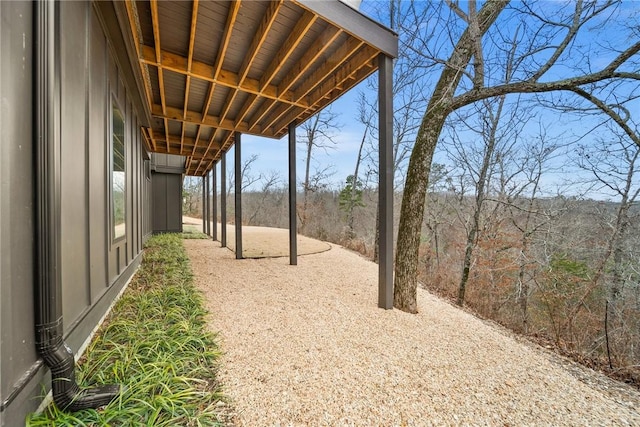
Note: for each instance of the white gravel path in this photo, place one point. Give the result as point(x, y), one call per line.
point(306, 345)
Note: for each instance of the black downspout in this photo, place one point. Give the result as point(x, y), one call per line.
point(56, 354)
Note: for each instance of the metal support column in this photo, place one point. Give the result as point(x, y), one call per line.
point(238, 194)
point(214, 201)
point(203, 204)
point(223, 200)
point(205, 216)
point(293, 220)
point(385, 185)
point(209, 203)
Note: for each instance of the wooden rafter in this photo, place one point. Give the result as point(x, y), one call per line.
point(206, 72)
point(198, 119)
point(192, 38)
point(222, 51)
point(320, 45)
point(149, 144)
point(256, 43)
point(132, 16)
point(298, 32)
point(324, 71)
point(293, 40)
point(155, 20)
point(253, 67)
point(345, 77)
point(259, 37)
point(176, 141)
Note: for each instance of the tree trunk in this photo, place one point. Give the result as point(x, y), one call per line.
point(412, 210)
point(415, 190)
point(305, 185)
point(354, 188)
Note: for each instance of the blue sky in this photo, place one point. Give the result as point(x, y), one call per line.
point(272, 155)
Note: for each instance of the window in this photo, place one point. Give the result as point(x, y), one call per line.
point(118, 177)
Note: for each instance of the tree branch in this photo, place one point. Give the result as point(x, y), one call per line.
point(530, 86)
point(609, 112)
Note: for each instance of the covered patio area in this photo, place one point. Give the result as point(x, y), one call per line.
point(212, 71)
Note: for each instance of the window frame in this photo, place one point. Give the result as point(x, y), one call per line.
point(116, 105)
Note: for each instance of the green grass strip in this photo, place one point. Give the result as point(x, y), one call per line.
point(193, 232)
point(155, 344)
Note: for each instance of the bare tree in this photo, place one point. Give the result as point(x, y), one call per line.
point(483, 152)
point(317, 133)
point(614, 165)
point(269, 183)
point(247, 177)
point(470, 54)
point(191, 195)
point(529, 216)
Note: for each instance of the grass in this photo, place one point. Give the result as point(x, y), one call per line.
point(155, 345)
point(193, 232)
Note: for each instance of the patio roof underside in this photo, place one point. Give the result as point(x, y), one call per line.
point(213, 68)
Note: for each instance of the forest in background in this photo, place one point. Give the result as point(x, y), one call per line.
point(548, 268)
point(516, 150)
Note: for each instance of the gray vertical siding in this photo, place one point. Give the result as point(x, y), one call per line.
point(167, 203)
point(94, 267)
point(91, 79)
point(97, 163)
point(74, 218)
point(17, 351)
point(166, 184)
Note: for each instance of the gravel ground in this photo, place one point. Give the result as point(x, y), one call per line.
point(306, 345)
point(265, 242)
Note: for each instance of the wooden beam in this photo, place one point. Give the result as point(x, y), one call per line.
point(185, 146)
point(196, 118)
point(363, 59)
point(264, 87)
point(335, 61)
point(222, 51)
point(259, 37)
point(193, 165)
point(192, 37)
point(155, 22)
point(132, 15)
point(326, 69)
point(152, 138)
point(347, 81)
point(262, 111)
point(256, 44)
point(227, 141)
point(198, 156)
point(149, 144)
point(203, 71)
point(246, 107)
point(319, 46)
point(294, 39)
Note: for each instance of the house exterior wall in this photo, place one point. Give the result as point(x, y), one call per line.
point(17, 350)
point(167, 202)
point(94, 265)
point(167, 171)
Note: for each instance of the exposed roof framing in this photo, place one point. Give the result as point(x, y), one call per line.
point(210, 69)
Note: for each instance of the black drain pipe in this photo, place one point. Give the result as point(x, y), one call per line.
point(48, 287)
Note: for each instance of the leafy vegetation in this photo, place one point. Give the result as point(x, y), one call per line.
point(155, 345)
